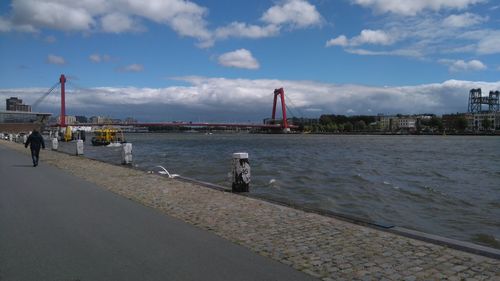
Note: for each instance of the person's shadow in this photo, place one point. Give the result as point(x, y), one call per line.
point(23, 166)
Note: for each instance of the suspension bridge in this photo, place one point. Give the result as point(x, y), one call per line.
point(273, 124)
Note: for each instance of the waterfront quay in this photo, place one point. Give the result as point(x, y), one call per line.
point(321, 246)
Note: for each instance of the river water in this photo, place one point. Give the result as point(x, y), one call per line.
point(445, 185)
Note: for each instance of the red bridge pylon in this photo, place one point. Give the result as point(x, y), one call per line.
point(62, 80)
point(280, 92)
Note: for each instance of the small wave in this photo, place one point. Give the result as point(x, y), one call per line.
point(494, 204)
point(361, 178)
point(391, 185)
point(438, 174)
point(273, 183)
point(433, 190)
point(465, 203)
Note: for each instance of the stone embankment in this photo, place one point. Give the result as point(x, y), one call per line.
point(325, 247)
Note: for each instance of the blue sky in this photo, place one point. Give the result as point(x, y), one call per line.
point(220, 60)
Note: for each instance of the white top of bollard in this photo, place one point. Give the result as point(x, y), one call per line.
point(240, 155)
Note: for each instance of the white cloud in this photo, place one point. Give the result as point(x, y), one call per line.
point(132, 68)
point(288, 13)
point(490, 44)
point(220, 97)
point(397, 52)
point(5, 25)
point(463, 20)
point(118, 23)
point(184, 17)
point(461, 65)
point(297, 13)
point(97, 58)
point(427, 36)
point(376, 37)
point(239, 29)
point(367, 36)
point(338, 41)
point(53, 14)
point(53, 59)
point(412, 7)
point(241, 58)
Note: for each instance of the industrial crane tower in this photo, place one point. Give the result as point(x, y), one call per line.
point(476, 101)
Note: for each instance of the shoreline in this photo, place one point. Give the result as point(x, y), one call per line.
point(322, 246)
point(495, 134)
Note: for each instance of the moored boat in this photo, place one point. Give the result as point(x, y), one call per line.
point(107, 136)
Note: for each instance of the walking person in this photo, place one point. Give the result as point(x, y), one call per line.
point(35, 141)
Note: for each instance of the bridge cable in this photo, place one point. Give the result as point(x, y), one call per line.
point(40, 99)
point(77, 86)
point(294, 106)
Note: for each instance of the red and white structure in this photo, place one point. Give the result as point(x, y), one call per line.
point(280, 92)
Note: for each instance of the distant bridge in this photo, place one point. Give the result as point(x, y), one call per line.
point(277, 92)
point(188, 124)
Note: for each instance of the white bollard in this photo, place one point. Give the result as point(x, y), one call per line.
point(79, 147)
point(127, 153)
point(25, 138)
point(241, 172)
point(11, 137)
point(55, 144)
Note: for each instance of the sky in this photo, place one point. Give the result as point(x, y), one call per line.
point(220, 60)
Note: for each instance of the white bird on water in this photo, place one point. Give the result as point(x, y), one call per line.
point(165, 172)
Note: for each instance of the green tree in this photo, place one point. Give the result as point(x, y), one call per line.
point(334, 127)
point(325, 119)
point(360, 125)
point(461, 124)
point(348, 127)
point(418, 126)
point(436, 123)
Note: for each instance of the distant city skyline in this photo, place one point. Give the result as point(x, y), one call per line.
point(162, 60)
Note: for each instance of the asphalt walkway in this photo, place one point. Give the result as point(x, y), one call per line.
point(54, 226)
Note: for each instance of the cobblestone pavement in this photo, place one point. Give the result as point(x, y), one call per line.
point(324, 247)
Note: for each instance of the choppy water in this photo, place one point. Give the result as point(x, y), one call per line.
point(445, 185)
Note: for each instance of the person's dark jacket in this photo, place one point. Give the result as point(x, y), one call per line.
point(35, 140)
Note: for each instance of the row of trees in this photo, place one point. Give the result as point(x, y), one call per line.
point(331, 123)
